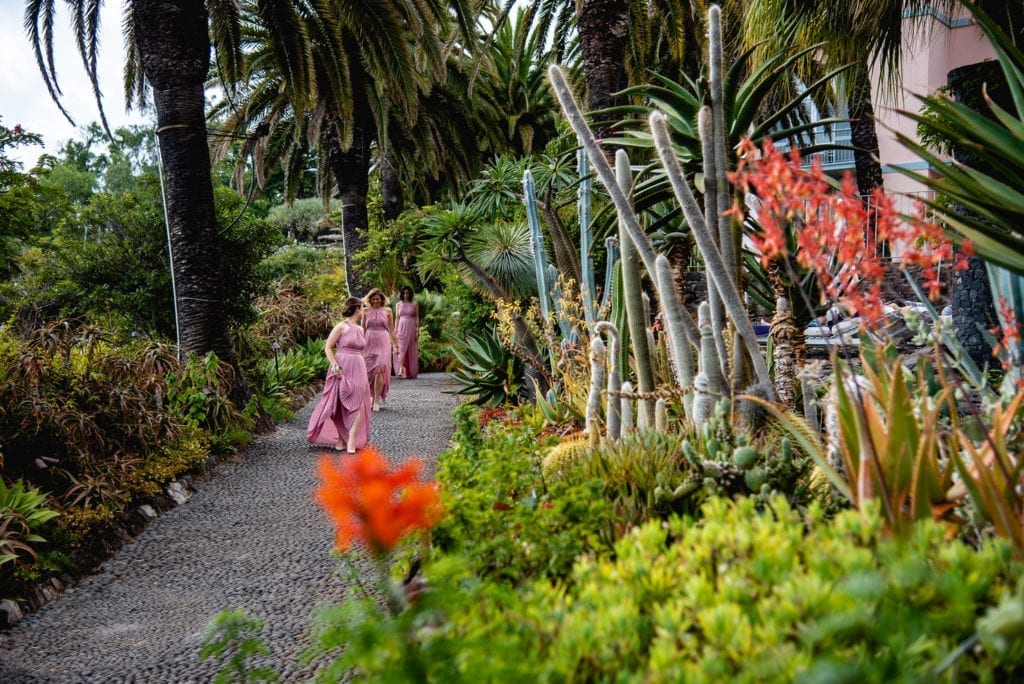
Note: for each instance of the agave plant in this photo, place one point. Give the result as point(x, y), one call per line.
point(488, 373)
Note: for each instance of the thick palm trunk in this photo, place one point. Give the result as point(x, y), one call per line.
point(351, 168)
point(863, 134)
point(390, 186)
point(604, 32)
point(174, 48)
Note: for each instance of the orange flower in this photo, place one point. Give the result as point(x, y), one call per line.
point(370, 502)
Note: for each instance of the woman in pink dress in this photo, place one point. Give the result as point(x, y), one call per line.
point(342, 418)
point(380, 341)
point(408, 315)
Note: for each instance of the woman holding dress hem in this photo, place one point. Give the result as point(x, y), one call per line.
point(342, 418)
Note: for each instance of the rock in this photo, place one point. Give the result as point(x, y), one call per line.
point(10, 613)
point(147, 511)
point(177, 491)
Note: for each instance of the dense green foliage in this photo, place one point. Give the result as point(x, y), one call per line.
point(749, 590)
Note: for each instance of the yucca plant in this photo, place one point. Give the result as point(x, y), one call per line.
point(744, 100)
point(488, 372)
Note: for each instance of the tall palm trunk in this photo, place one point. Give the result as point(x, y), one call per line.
point(390, 186)
point(603, 27)
point(350, 168)
point(174, 48)
point(863, 133)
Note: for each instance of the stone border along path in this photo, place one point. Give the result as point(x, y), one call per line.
point(251, 537)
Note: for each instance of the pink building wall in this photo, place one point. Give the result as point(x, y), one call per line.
point(945, 44)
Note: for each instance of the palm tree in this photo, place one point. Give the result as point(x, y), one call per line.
point(169, 52)
point(361, 73)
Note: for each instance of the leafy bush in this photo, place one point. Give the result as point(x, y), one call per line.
point(305, 219)
point(114, 259)
point(742, 596)
point(503, 515)
point(23, 514)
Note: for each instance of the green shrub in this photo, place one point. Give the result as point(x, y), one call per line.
point(501, 513)
point(23, 514)
point(740, 596)
point(113, 258)
point(305, 219)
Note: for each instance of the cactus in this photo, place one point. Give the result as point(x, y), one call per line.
point(586, 238)
point(626, 407)
point(612, 253)
point(614, 419)
point(709, 356)
point(635, 310)
point(668, 296)
point(564, 326)
point(660, 415)
point(537, 241)
point(719, 274)
point(593, 418)
point(711, 209)
point(678, 345)
point(618, 318)
point(564, 455)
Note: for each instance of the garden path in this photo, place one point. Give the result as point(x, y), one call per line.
point(251, 537)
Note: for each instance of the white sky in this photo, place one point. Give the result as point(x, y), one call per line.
point(23, 96)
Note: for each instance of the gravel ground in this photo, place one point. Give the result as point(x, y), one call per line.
point(251, 538)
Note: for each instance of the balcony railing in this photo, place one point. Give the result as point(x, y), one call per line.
point(834, 160)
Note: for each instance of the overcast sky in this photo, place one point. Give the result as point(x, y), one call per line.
point(23, 96)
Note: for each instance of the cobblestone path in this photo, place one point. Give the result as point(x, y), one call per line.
point(251, 537)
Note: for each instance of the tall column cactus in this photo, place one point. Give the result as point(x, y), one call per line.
point(597, 375)
point(612, 254)
point(632, 289)
point(711, 209)
point(587, 285)
point(626, 407)
point(564, 326)
point(668, 297)
point(614, 417)
point(705, 240)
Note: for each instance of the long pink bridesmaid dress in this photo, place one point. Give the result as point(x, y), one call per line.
point(344, 397)
point(408, 333)
point(378, 347)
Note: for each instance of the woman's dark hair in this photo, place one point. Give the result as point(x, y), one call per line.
point(350, 306)
point(403, 290)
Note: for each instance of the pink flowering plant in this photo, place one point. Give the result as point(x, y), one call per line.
point(839, 237)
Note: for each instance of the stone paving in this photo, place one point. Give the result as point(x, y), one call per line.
point(251, 537)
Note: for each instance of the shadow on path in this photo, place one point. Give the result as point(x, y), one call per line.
point(250, 538)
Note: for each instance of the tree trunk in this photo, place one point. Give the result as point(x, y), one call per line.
point(174, 48)
point(351, 168)
point(862, 132)
point(970, 292)
point(567, 259)
point(390, 186)
point(603, 27)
